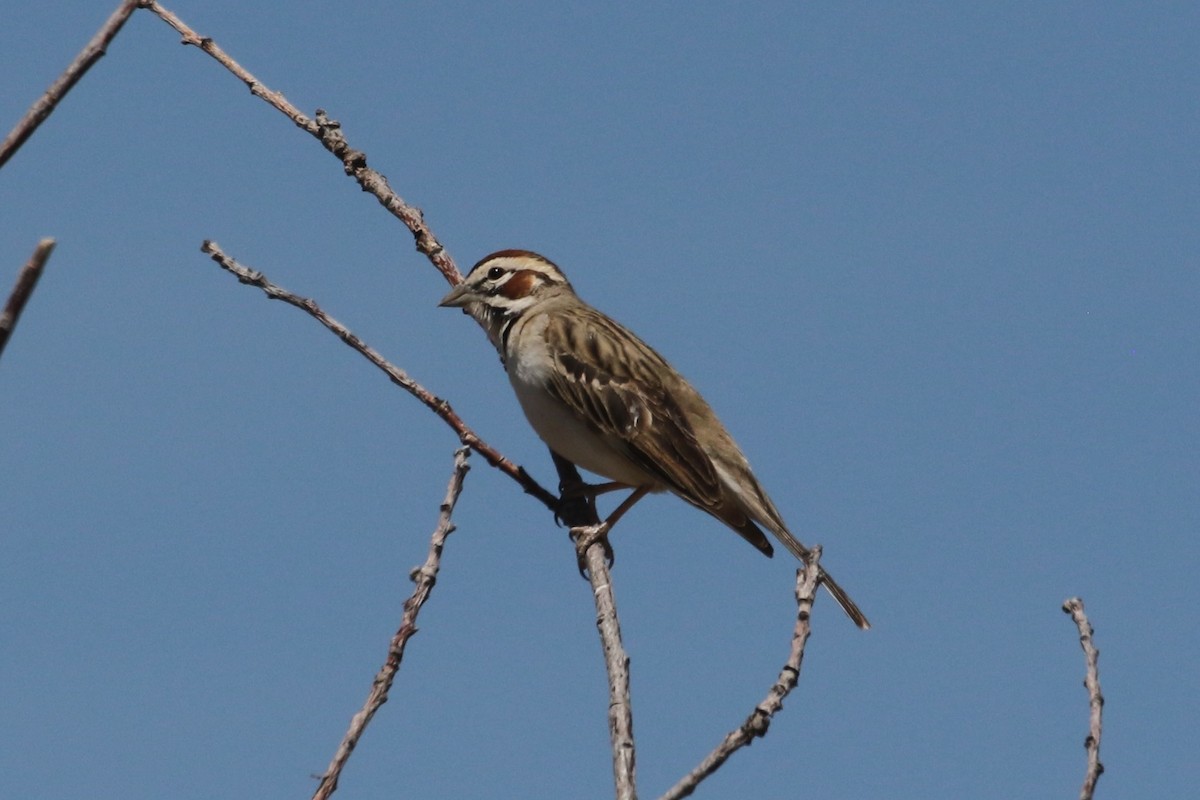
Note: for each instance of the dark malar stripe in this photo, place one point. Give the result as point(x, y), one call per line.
point(505, 330)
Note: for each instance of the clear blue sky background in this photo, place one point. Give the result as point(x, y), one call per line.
point(936, 265)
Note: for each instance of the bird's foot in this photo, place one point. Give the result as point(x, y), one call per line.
point(584, 537)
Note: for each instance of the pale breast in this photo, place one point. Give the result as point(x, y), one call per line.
point(529, 367)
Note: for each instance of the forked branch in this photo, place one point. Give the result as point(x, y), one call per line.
point(329, 133)
point(398, 376)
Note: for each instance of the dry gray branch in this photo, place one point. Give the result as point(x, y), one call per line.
point(329, 133)
point(579, 513)
point(1091, 682)
point(45, 105)
point(807, 581)
point(398, 376)
point(578, 516)
point(27, 280)
point(616, 664)
point(424, 576)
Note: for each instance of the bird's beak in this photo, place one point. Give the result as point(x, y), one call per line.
point(458, 297)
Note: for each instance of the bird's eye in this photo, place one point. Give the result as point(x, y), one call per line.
point(495, 273)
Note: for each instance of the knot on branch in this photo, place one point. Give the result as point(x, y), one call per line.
point(353, 161)
point(326, 124)
point(330, 133)
point(423, 573)
point(757, 723)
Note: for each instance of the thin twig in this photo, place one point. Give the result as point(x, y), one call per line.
point(354, 162)
point(616, 664)
point(329, 133)
point(45, 105)
point(424, 576)
point(579, 513)
point(1091, 681)
point(398, 376)
point(27, 279)
point(807, 580)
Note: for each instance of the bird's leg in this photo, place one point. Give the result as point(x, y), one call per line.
point(626, 504)
point(574, 491)
point(590, 490)
point(584, 537)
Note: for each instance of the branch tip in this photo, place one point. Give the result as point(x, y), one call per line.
point(27, 280)
point(1091, 682)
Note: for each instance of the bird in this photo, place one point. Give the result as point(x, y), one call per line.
point(603, 399)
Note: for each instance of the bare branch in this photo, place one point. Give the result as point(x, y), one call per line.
point(398, 376)
point(424, 576)
point(329, 133)
point(45, 105)
point(579, 512)
point(1091, 681)
point(616, 664)
point(354, 162)
point(807, 580)
point(27, 280)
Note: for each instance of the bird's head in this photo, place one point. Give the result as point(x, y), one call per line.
point(508, 281)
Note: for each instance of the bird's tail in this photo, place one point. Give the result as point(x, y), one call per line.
point(833, 587)
point(752, 503)
point(849, 606)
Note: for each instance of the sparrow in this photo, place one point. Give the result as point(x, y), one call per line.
point(603, 399)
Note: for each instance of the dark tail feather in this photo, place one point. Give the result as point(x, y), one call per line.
point(843, 600)
point(839, 594)
point(737, 520)
point(748, 531)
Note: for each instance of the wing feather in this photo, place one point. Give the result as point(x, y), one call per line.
point(612, 381)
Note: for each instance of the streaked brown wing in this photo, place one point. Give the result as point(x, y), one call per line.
point(598, 364)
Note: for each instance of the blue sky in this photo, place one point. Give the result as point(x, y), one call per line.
point(936, 266)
